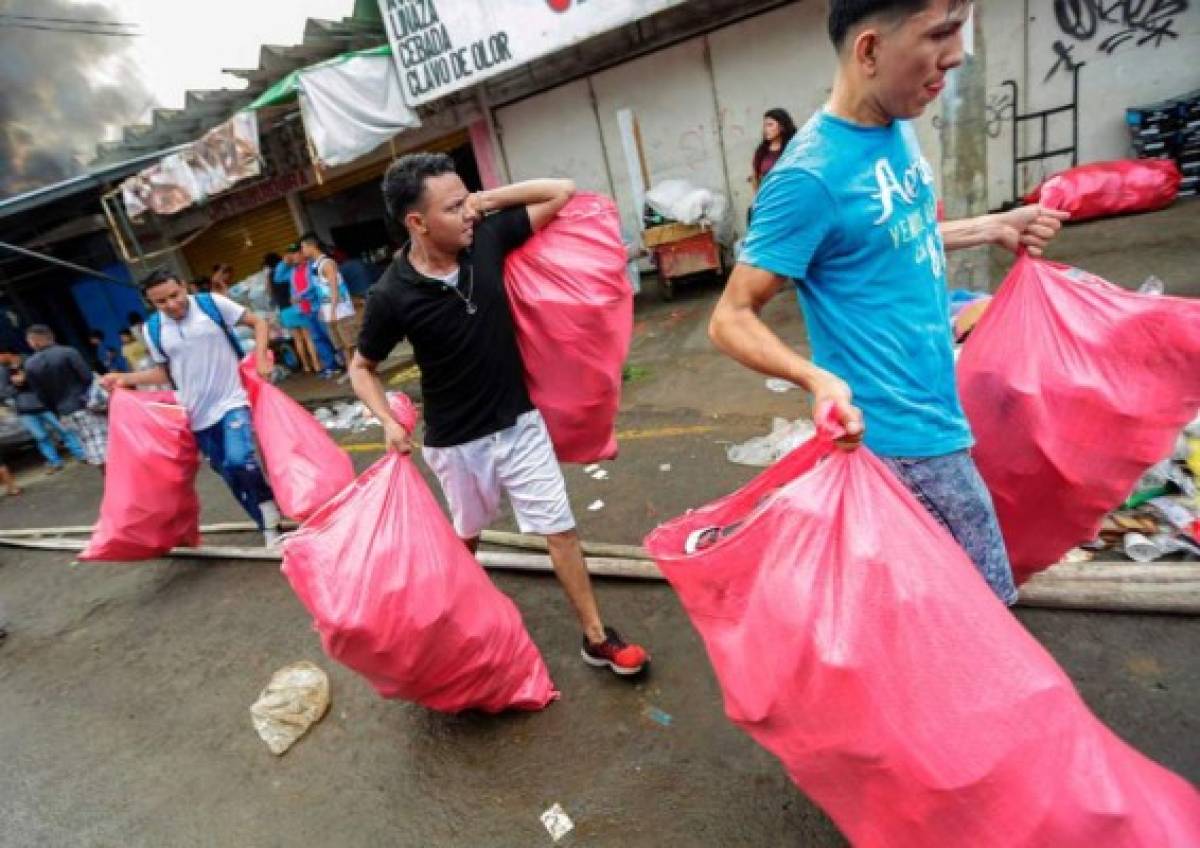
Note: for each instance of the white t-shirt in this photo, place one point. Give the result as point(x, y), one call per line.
point(202, 362)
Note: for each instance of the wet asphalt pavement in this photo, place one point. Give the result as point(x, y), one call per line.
point(124, 689)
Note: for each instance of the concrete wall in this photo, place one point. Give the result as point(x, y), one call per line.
point(555, 134)
point(670, 93)
point(1153, 56)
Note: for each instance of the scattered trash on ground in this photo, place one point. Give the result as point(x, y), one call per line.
point(1076, 555)
point(295, 699)
point(659, 716)
point(1152, 286)
point(666, 466)
point(780, 386)
point(599, 474)
point(558, 824)
point(596, 506)
point(766, 450)
point(589, 470)
point(352, 416)
point(633, 373)
point(1161, 516)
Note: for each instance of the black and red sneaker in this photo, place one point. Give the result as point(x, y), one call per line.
point(615, 653)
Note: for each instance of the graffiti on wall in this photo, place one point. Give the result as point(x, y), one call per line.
point(1117, 23)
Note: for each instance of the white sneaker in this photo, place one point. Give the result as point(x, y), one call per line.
point(272, 521)
point(271, 538)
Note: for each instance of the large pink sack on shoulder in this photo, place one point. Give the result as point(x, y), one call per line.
point(1102, 189)
point(305, 466)
point(1073, 387)
point(853, 639)
point(572, 304)
point(397, 597)
point(150, 503)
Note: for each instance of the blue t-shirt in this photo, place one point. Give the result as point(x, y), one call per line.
point(849, 213)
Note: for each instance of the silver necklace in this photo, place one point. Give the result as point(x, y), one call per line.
point(471, 307)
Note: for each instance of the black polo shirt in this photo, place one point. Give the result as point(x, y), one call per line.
point(472, 378)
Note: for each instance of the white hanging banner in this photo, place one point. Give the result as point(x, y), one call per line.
point(441, 46)
point(352, 106)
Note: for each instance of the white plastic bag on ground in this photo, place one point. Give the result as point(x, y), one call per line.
point(785, 436)
point(296, 698)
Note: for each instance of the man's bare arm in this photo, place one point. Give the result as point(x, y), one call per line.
point(1031, 227)
point(364, 378)
point(543, 199)
point(737, 329)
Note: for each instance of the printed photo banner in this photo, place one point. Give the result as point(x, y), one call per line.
point(441, 46)
point(225, 155)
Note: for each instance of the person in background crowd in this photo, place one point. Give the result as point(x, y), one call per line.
point(199, 284)
point(40, 422)
point(483, 436)
point(870, 268)
point(11, 489)
point(279, 275)
point(306, 297)
point(222, 278)
point(337, 309)
point(136, 324)
point(291, 317)
point(192, 343)
point(61, 378)
point(778, 130)
point(133, 349)
point(108, 356)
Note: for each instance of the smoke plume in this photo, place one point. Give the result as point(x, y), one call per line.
point(53, 107)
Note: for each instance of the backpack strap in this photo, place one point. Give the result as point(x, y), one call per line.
point(209, 307)
point(154, 333)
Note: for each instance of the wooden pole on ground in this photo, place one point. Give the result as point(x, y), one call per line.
point(1120, 587)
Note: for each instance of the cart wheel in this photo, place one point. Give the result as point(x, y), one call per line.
point(666, 289)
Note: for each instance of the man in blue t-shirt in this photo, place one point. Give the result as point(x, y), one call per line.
point(850, 215)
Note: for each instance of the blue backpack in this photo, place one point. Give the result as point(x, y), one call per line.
point(209, 307)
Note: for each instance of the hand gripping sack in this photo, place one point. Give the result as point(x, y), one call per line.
point(1102, 189)
point(397, 597)
point(305, 466)
point(853, 639)
point(1073, 387)
point(150, 503)
point(572, 305)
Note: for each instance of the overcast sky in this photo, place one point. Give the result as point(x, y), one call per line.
point(185, 45)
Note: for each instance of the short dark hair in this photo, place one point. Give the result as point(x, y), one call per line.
point(39, 330)
point(126, 332)
point(157, 277)
point(844, 15)
point(404, 182)
point(135, 318)
point(310, 238)
point(271, 260)
point(96, 334)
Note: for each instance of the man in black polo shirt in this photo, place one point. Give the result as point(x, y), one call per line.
point(444, 292)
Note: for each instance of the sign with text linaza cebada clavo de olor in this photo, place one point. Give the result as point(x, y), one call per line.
point(441, 46)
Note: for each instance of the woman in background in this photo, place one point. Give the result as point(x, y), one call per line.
point(778, 129)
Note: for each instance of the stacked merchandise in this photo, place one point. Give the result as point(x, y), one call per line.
point(1170, 130)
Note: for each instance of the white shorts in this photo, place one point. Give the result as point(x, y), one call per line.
point(520, 461)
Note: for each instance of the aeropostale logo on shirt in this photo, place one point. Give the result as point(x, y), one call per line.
point(915, 222)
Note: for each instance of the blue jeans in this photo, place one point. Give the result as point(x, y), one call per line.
point(320, 336)
point(229, 447)
point(41, 425)
point(950, 488)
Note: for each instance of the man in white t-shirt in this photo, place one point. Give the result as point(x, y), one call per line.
point(192, 342)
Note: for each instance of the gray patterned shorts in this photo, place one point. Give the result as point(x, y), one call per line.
point(951, 489)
